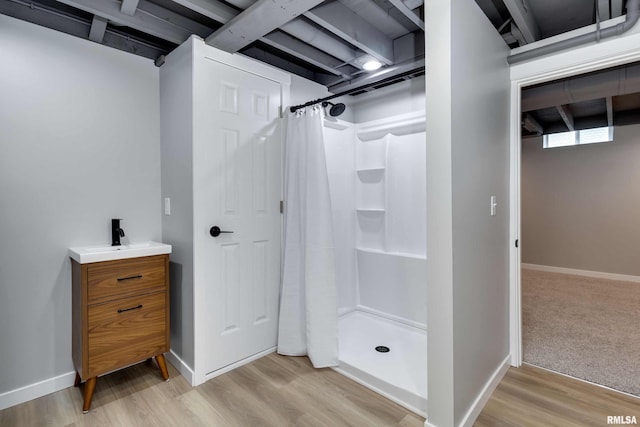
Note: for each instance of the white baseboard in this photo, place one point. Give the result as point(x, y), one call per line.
point(51, 385)
point(237, 364)
point(484, 396)
point(36, 390)
point(586, 273)
point(181, 366)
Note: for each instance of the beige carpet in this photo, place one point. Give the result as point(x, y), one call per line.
point(584, 327)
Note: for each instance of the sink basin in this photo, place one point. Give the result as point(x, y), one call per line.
point(87, 254)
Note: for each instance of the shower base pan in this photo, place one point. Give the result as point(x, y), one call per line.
point(400, 374)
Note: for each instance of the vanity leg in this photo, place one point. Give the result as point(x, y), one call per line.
point(89, 388)
point(78, 380)
point(162, 364)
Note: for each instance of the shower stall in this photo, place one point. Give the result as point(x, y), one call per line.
point(377, 179)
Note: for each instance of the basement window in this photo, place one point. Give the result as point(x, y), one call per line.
point(578, 137)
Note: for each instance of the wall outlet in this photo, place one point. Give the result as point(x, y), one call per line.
point(167, 206)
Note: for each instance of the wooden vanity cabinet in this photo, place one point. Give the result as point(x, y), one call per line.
point(120, 316)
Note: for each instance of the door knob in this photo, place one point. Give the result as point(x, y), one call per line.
point(215, 231)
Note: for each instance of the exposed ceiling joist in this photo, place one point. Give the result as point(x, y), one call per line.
point(310, 54)
point(308, 33)
point(567, 116)
point(241, 4)
point(346, 24)
point(98, 28)
point(532, 125)
point(603, 9)
point(616, 8)
point(318, 48)
point(170, 26)
point(215, 10)
point(279, 62)
point(522, 16)
point(412, 4)
point(609, 101)
point(259, 19)
point(402, 7)
point(152, 9)
point(129, 7)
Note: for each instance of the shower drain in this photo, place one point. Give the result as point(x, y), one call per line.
point(382, 349)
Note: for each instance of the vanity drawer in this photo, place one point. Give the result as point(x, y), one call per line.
point(116, 279)
point(125, 331)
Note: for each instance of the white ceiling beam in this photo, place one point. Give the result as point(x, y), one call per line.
point(241, 4)
point(402, 7)
point(567, 116)
point(609, 100)
point(299, 29)
point(215, 10)
point(522, 16)
point(170, 26)
point(310, 54)
point(412, 4)
point(346, 24)
point(279, 62)
point(259, 19)
point(148, 8)
point(532, 125)
point(98, 28)
point(129, 7)
point(312, 35)
point(616, 8)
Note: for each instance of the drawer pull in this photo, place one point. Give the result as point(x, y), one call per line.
point(120, 279)
point(122, 310)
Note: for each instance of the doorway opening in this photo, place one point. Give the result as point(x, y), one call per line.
point(563, 280)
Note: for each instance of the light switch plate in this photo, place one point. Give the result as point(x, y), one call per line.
point(167, 206)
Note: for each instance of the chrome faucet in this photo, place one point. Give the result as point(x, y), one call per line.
point(116, 232)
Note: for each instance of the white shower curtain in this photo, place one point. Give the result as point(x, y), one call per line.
point(308, 308)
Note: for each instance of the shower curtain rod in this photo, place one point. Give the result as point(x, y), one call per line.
point(350, 91)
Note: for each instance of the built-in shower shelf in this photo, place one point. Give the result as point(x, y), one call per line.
point(365, 171)
point(370, 210)
point(398, 254)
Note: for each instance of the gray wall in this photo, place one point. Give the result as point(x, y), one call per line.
point(580, 204)
point(467, 250)
point(176, 113)
point(79, 140)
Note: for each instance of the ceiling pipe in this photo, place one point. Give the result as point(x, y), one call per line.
point(633, 13)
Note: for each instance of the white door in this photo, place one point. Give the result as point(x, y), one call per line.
point(242, 196)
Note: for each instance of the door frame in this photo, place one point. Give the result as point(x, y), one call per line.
point(595, 56)
point(203, 52)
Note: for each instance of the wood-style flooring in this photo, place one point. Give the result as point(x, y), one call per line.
point(272, 391)
point(287, 391)
point(530, 396)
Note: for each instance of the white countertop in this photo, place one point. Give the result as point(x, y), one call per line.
point(88, 254)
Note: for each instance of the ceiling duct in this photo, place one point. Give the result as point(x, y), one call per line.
point(633, 13)
point(616, 81)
